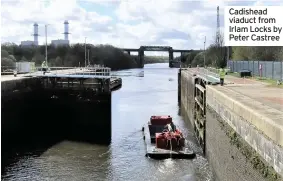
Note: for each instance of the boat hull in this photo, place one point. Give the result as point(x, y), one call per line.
point(157, 153)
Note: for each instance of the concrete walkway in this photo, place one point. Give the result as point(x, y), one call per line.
point(261, 105)
point(24, 76)
point(254, 102)
point(257, 90)
point(10, 77)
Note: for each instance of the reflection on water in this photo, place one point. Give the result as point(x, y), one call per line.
point(124, 159)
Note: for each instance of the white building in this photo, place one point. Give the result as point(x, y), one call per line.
point(28, 43)
point(60, 43)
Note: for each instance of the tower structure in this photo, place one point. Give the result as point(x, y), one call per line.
point(35, 33)
point(218, 28)
point(65, 41)
point(66, 30)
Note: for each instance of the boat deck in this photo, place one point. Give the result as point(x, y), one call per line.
point(157, 153)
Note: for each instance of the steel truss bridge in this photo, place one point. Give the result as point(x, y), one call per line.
point(168, 49)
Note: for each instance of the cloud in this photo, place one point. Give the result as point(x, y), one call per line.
point(17, 18)
point(127, 23)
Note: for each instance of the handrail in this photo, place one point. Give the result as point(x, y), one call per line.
point(89, 72)
point(79, 71)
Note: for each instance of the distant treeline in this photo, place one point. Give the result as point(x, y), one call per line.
point(153, 59)
point(156, 59)
point(67, 56)
point(74, 55)
point(257, 53)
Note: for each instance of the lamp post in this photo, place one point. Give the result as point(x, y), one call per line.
point(204, 51)
point(204, 58)
point(85, 51)
point(88, 57)
point(46, 44)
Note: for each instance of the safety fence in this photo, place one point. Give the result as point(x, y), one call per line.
point(207, 75)
point(268, 69)
point(209, 72)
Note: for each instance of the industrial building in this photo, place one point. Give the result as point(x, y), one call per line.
point(59, 42)
point(65, 41)
point(29, 43)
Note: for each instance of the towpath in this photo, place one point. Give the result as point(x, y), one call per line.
point(259, 91)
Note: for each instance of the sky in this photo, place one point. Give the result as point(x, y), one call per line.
point(124, 24)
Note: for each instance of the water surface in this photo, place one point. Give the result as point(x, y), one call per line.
point(124, 159)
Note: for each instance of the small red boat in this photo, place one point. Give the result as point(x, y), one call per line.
point(166, 141)
point(157, 124)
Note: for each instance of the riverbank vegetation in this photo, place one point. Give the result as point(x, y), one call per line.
point(66, 56)
point(153, 59)
point(156, 59)
point(257, 53)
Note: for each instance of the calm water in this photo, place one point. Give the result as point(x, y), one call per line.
point(124, 159)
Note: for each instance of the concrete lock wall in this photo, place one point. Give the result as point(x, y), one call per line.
point(235, 147)
point(75, 114)
point(226, 159)
point(187, 95)
point(253, 128)
point(18, 85)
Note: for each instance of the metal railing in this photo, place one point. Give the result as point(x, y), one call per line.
point(75, 71)
point(7, 70)
point(210, 72)
point(89, 72)
point(207, 75)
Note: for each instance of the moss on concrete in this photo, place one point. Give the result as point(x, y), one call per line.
point(251, 155)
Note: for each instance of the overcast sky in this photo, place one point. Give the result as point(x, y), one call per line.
point(125, 24)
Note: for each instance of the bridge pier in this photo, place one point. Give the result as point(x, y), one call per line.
point(183, 58)
point(141, 58)
point(171, 57)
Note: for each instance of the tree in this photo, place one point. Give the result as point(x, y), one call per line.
point(12, 58)
point(6, 62)
point(4, 54)
point(198, 60)
point(6, 59)
point(23, 59)
point(72, 55)
point(38, 58)
point(190, 56)
point(279, 54)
